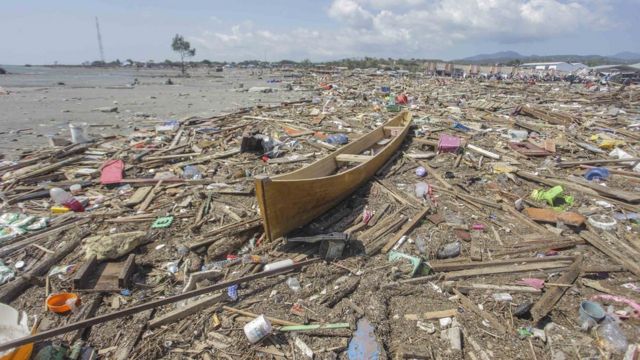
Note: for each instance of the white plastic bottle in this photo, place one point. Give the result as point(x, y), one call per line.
point(60, 196)
point(278, 265)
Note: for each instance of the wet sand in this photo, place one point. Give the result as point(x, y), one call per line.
point(43, 101)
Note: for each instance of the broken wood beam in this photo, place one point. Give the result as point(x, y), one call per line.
point(189, 309)
point(439, 266)
point(504, 269)
point(405, 229)
point(469, 305)
point(545, 304)
point(601, 161)
point(622, 259)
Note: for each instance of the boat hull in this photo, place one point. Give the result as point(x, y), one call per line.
point(292, 200)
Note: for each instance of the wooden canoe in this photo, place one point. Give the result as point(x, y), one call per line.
point(292, 200)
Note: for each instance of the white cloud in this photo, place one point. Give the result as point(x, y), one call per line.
point(413, 28)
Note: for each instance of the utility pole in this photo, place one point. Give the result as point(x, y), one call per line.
point(99, 40)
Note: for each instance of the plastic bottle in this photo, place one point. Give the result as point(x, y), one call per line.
point(278, 265)
point(293, 284)
point(257, 328)
point(612, 337)
point(60, 196)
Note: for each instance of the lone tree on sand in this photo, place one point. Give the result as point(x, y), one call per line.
point(182, 47)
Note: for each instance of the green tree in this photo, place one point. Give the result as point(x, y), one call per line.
point(182, 47)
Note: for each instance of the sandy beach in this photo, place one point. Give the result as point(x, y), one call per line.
point(42, 101)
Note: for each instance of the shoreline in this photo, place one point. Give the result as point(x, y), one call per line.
point(47, 101)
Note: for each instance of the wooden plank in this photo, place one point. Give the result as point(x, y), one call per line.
point(441, 266)
point(189, 309)
point(591, 162)
point(353, 158)
point(432, 172)
point(80, 278)
point(628, 196)
point(49, 168)
point(126, 271)
point(545, 304)
point(431, 315)
point(405, 229)
point(149, 198)
point(131, 339)
point(469, 305)
point(622, 259)
point(138, 196)
point(507, 288)
point(227, 230)
point(108, 280)
point(504, 269)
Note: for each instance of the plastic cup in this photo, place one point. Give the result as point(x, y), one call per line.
point(257, 329)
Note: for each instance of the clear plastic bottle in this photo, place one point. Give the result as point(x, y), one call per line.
point(62, 197)
point(612, 337)
point(278, 265)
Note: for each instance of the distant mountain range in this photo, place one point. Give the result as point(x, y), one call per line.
point(504, 57)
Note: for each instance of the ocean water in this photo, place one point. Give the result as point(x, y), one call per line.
point(39, 76)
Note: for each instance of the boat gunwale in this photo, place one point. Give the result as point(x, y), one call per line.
point(337, 152)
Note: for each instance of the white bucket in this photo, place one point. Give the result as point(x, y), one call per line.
point(79, 133)
point(257, 328)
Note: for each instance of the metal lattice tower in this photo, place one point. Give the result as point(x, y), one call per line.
point(99, 40)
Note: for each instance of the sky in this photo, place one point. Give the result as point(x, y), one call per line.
point(46, 31)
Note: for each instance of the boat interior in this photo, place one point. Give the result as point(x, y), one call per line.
point(350, 155)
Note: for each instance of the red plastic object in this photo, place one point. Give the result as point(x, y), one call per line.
point(447, 143)
point(402, 99)
point(111, 172)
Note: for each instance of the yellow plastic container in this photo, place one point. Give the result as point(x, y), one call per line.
point(59, 209)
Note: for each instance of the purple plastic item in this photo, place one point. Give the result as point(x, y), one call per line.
point(448, 143)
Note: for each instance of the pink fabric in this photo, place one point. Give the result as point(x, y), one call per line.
point(111, 172)
point(620, 299)
point(532, 282)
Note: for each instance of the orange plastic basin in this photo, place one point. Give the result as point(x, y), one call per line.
point(58, 302)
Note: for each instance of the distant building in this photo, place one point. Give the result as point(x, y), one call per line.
point(556, 66)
